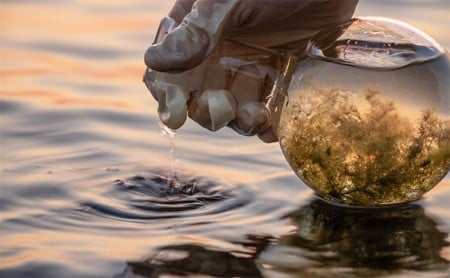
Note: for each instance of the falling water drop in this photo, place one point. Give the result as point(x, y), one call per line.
point(172, 180)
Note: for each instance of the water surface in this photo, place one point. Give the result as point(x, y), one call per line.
point(84, 168)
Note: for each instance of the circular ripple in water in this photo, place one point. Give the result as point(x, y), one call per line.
point(156, 196)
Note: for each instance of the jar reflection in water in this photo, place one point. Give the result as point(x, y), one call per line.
point(367, 119)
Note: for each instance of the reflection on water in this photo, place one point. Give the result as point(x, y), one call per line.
point(337, 240)
point(193, 259)
point(80, 148)
point(328, 240)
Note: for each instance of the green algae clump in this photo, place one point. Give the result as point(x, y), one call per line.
point(361, 149)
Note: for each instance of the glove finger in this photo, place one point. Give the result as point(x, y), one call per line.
point(246, 87)
point(250, 86)
point(194, 39)
point(172, 103)
point(212, 109)
point(251, 118)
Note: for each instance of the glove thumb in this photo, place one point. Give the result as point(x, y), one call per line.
point(194, 39)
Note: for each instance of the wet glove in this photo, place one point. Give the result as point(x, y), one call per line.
point(206, 67)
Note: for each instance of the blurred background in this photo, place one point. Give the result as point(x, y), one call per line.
point(80, 148)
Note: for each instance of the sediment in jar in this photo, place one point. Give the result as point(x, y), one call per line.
point(362, 148)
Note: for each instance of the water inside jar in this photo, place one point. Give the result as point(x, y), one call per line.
point(368, 120)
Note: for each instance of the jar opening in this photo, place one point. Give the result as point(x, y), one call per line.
point(375, 42)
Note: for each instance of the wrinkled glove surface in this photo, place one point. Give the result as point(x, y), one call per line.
point(192, 70)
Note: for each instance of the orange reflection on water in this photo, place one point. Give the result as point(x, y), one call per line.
point(35, 20)
point(59, 246)
point(42, 63)
point(58, 99)
point(38, 46)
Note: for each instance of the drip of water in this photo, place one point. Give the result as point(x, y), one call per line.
point(173, 183)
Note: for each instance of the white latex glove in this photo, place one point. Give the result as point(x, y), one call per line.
point(234, 92)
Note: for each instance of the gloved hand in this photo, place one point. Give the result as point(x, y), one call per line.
point(217, 91)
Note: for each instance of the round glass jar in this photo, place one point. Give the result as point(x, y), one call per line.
point(367, 118)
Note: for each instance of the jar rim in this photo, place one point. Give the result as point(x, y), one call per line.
point(377, 43)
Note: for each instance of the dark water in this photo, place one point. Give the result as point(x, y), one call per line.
point(84, 168)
